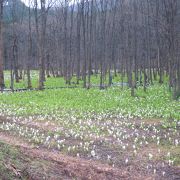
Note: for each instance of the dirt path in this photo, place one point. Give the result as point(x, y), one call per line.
point(43, 162)
point(46, 164)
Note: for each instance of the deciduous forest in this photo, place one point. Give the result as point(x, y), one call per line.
point(90, 89)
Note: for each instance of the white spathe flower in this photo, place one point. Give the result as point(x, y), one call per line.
point(59, 147)
point(108, 157)
point(176, 142)
point(69, 149)
point(168, 154)
point(150, 156)
point(93, 154)
point(126, 161)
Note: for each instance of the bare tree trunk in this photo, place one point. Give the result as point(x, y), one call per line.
point(29, 84)
point(103, 5)
point(70, 64)
point(42, 45)
point(15, 59)
point(84, 42)
point(2, 85)
point(90, 45)
point(15, 42)
point(78, 68)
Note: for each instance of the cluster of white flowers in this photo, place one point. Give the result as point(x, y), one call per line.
point(83, 133)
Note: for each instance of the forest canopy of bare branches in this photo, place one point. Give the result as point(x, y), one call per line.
point(138, 39)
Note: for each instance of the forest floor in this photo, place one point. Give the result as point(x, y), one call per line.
point(26, 160)
point(89, 134)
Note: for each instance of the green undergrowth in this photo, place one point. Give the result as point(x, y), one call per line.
point(9, 157)
point(155, 103)
point(174, 153)
point(60, 82)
